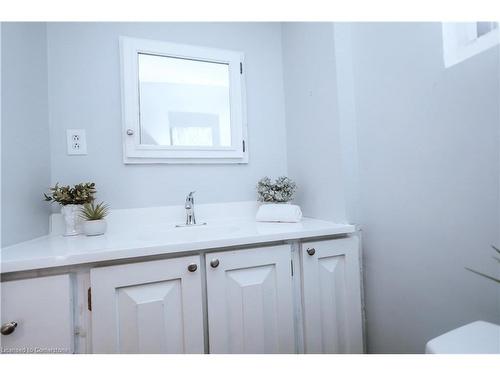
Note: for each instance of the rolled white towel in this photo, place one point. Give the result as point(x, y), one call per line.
point(285, 213)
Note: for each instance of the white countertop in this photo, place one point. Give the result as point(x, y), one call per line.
point(144, 239)
point(57, 250)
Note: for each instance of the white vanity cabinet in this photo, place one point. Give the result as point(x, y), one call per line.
point(148, 307)
point(250, 301)
point(331, 295)
point(284, 296)
point(37, 315)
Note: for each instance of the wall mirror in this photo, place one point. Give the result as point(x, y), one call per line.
point(182, 103)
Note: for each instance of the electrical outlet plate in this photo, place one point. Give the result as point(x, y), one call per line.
point(76, 141)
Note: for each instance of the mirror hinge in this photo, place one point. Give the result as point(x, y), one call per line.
point(243, 145)
point(241, 68)
point(89, 299)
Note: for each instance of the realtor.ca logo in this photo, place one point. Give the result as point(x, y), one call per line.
point(33, 350)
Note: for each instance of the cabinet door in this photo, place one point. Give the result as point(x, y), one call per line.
point(42, 308)
point(148, 307)
point(332, 296)
point(250, 308)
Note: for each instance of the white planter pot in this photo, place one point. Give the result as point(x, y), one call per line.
point(283, 212)
point(72, 220)
point(262, 203)
point(94, 227)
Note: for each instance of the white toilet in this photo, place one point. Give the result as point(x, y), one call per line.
point(474, 338)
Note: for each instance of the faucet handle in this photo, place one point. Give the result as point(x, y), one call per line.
point(189, 197)
point(189, 200)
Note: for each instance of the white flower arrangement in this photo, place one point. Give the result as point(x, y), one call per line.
point(281, 191)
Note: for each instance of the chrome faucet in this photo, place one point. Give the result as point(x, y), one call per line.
point(190, 217)
point(189, 206)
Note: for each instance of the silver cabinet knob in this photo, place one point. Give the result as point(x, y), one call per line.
point(130, 132)
point(8, 328)
point(214, 263)
point(311, 251)
point(192, 267)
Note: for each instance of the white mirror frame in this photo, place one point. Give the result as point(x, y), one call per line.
point(136, 153)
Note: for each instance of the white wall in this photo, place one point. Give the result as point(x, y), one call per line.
point(84, 92)
point(25, 132)
point(428, 149)
point(313, 139)
point(376, 127)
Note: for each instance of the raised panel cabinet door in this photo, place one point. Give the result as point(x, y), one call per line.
point(250, 302)
point(331, 294)
point(41, 310)
point(148, 307)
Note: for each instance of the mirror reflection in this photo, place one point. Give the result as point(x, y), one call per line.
point(183, 102)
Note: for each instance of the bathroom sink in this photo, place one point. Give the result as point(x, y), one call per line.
point(212, 230)
point(188, 233)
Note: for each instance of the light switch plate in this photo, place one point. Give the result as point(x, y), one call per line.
point(76, 141)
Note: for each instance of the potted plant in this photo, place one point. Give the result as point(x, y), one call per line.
point(71, 199)
point(280, 191)
point(275, 198)
point(493, 278)
point(93, 218)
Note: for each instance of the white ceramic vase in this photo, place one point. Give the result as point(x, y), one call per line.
point(71, 215)
point(94, 227)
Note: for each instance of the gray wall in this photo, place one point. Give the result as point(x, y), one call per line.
point(25, 132)
point(429, 183)
point(84, 92)
point(313, 141)
point(378, 128)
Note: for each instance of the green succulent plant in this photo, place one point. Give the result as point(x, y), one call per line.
point(78, 194)
point(279, 191)
point(485, 275)
point(91, 211)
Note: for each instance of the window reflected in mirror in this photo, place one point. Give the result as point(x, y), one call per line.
point(183, 102)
